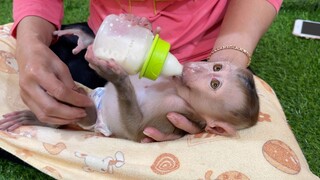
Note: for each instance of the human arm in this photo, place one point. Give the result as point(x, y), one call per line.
point(46, 85)
point(244, 24)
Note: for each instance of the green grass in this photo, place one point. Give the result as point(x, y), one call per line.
point(291, 65)
point(13, 171)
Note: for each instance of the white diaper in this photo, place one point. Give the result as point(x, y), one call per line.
point(100, 126)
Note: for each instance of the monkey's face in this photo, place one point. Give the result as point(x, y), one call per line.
point(209, 88)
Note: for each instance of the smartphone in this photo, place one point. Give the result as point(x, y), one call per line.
point(306, 29)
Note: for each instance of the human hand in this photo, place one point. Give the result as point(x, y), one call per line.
point(179, 121)
point(47, 87)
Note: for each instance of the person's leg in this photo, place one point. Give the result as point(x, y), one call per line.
point(78, 66)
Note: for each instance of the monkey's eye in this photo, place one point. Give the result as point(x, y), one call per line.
point(217, 67)
point(215, 84)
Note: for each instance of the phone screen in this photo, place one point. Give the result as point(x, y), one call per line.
point(311, 28)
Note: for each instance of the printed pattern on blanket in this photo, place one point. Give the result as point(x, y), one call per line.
point(268, 150)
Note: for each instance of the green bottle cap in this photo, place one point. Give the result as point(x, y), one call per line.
point(156, 57)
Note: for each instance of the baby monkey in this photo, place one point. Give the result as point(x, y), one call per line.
point(216, 96)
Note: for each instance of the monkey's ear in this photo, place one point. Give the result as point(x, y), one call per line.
point(221, 128)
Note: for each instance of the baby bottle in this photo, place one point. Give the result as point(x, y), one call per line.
point(135, 48)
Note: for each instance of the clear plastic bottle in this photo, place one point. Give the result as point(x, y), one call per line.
point(135, 48)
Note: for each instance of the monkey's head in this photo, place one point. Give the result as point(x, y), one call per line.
point(222, 96)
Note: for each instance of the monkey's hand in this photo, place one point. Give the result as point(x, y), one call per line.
point(112, 71)
point(84, 40)
point(109, 70)
point(140, 21)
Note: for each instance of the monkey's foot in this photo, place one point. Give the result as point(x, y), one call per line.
point(13, 120)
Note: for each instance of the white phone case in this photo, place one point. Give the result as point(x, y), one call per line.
point(298, 25)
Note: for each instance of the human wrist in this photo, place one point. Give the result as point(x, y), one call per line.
point(34, 29)
point(233, 54)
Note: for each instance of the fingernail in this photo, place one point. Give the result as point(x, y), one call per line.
point(172, 118)
point(144, 140)
point(146, 132)
point(83, 114)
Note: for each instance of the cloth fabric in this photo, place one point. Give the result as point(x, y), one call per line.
point(266, 151)
point(195, 23)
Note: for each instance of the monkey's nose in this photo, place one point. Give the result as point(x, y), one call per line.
point(192, 67)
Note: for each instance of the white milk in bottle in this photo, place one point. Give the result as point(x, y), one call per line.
point(135, 48)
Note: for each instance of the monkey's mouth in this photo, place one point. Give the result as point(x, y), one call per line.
point(187, 76)
point(178, 79)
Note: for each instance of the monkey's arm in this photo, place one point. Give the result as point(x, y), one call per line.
point(129, 109)
point(130, 112)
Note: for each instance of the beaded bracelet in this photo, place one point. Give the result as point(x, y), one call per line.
point(234, 48)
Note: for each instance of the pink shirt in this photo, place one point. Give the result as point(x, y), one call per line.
point(191, 26)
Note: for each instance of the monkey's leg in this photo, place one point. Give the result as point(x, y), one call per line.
point(12, 121)
point(84, 39)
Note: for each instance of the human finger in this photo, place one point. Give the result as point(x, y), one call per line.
point(45, 106)
point(147, 140)
point(64, 86)
point(181, 122)
point(48, 110)
point(63, 74)
point(157, 135)
point(61, 92)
